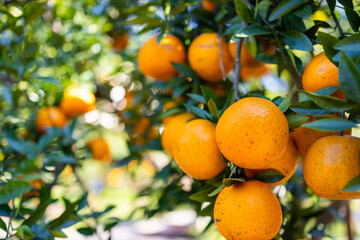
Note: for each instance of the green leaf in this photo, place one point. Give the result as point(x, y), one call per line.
point(298, 41)
point(284, 7)
point(186, 70)
point(202, 196)
point(230, 181)
point(24, 232)
point(38, 213)
point(47, 139)
point(216, 191)
point(268, 58)
point(330, 124)
point(347, 3)
point(332, 4)
point(349, 78)
point(243, 11)
point(251, 30)
point(13, 189)
point(58, 233)
point(2, 225)
point(7, 95)
point(309, 108)
point(199, 112)
point(328, 41)
point(209, 93)
point(351, 44)
point(22, 146)
point(208, 211)
point(353, 185)
point(285, 104)
point(303, 12)
point(196, 97)
point(269, 176)
point(353, 19)
point(152, 21)
point(170, 112)
point(86, 231)
point(330, 103)
point(295, 120)
point(213, 109)
point(33, 10)
point(66, 215)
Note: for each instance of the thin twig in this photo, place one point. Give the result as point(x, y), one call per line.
point(337, 23)
point(348, 222)
point(237, 69)
point(220, 39)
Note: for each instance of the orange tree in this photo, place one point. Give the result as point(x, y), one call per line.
point(204, 58)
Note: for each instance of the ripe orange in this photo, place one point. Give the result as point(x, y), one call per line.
point(246, 59)
point(34, 192)
point(49, 117)
point(171, 128)
point(248, 73)
point(204, 57)
point(207, 5)
point(285, 164)
point(195, 150)
point(247, 211)
point(100, 150)
point(155, 59)
point(252, 133)
point(120, 42)
point(77, 100)
point(321, 73)
point(143, 132)
point(330, 163)
point(304, 137)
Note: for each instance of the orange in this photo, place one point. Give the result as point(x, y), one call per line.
point(304, 137)
point(155, 59)
point(34, 192)
point(204, 57)
point(321, 73)
point(285, 164)
point(252, 133)
point(143, 132)
point(248, 73)
point(246, 59)
point(195, 150)
point(207, 5)
point(115, 177)
point(119, 43)
point(247, 211)
point(330, 163)
point(49, 117)
point(171, 128)
point(77, 100)
point(100, 150)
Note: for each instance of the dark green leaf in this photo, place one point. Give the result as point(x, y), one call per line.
point(285, 104)
point(349, 78)
point(38, 213)
point(233, 28)
point(298, 41)
point(199, 112)
point(353, 18)
point(87, 231)
point(13, 189)
point(213, 109)
point(269, 176)
point(252, 30)
point(216, 191)
point(24, 232)
point(347, 3)
point(295, 120)
point(243, 11)
point(33, 10)
point(308, 108)
point(330, 124)
point(284, 7)
point(208, 211)
point(328, 41)
point(303, 12)
point(2, 224)
point(230, 181)
point(209, 93)
point(203, 195)
point(332, 4)
point(326, 91)
point(70, 208)
point(353, 185)
point(330, 103)
point(268, 58)
point(170, 112)
point(47, 139)
point(311, 32)
point(351, 44)
point(22, 146)
point(186, 70)
point(196, 97)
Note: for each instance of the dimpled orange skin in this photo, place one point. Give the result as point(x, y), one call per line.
point(195, 150)
point(207, 5)
point(171, 128)
point(247, 211)
point(77, 100)
point(50, 117)
point(100, 150)
point(320, 73)
point(246, 59)
point(155, 59)
point(204, 57)
point(285, 164)
point(304, 137)
point(252, 133)
point(330, 163)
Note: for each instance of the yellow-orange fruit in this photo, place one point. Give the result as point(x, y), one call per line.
point(171, 128)
point(119, 43)
point(285, 164)
point(207, 5)
point(248, 211)
point(155, 58)
point(248, 73)
point(204, 57)
point(100, 150)
point(50, 117)
point(252, 133)
point(321, 73)
point(195, 150)
point(246, 59)
point(330, 163)
point(77, 100)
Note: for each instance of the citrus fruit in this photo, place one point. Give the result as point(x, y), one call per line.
point(246, 59)
point(195, 150)
point(330, 163)
point(120, 42)
point(320, 73)
point(204, 57)
point(171, 128)
point(252, 133)
point(155, 58)
point(77, 100)
point(248, 73)
point(49, 117)
point(247, 211)
point(285, 164)
point(100, 150)
point(207, 5)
